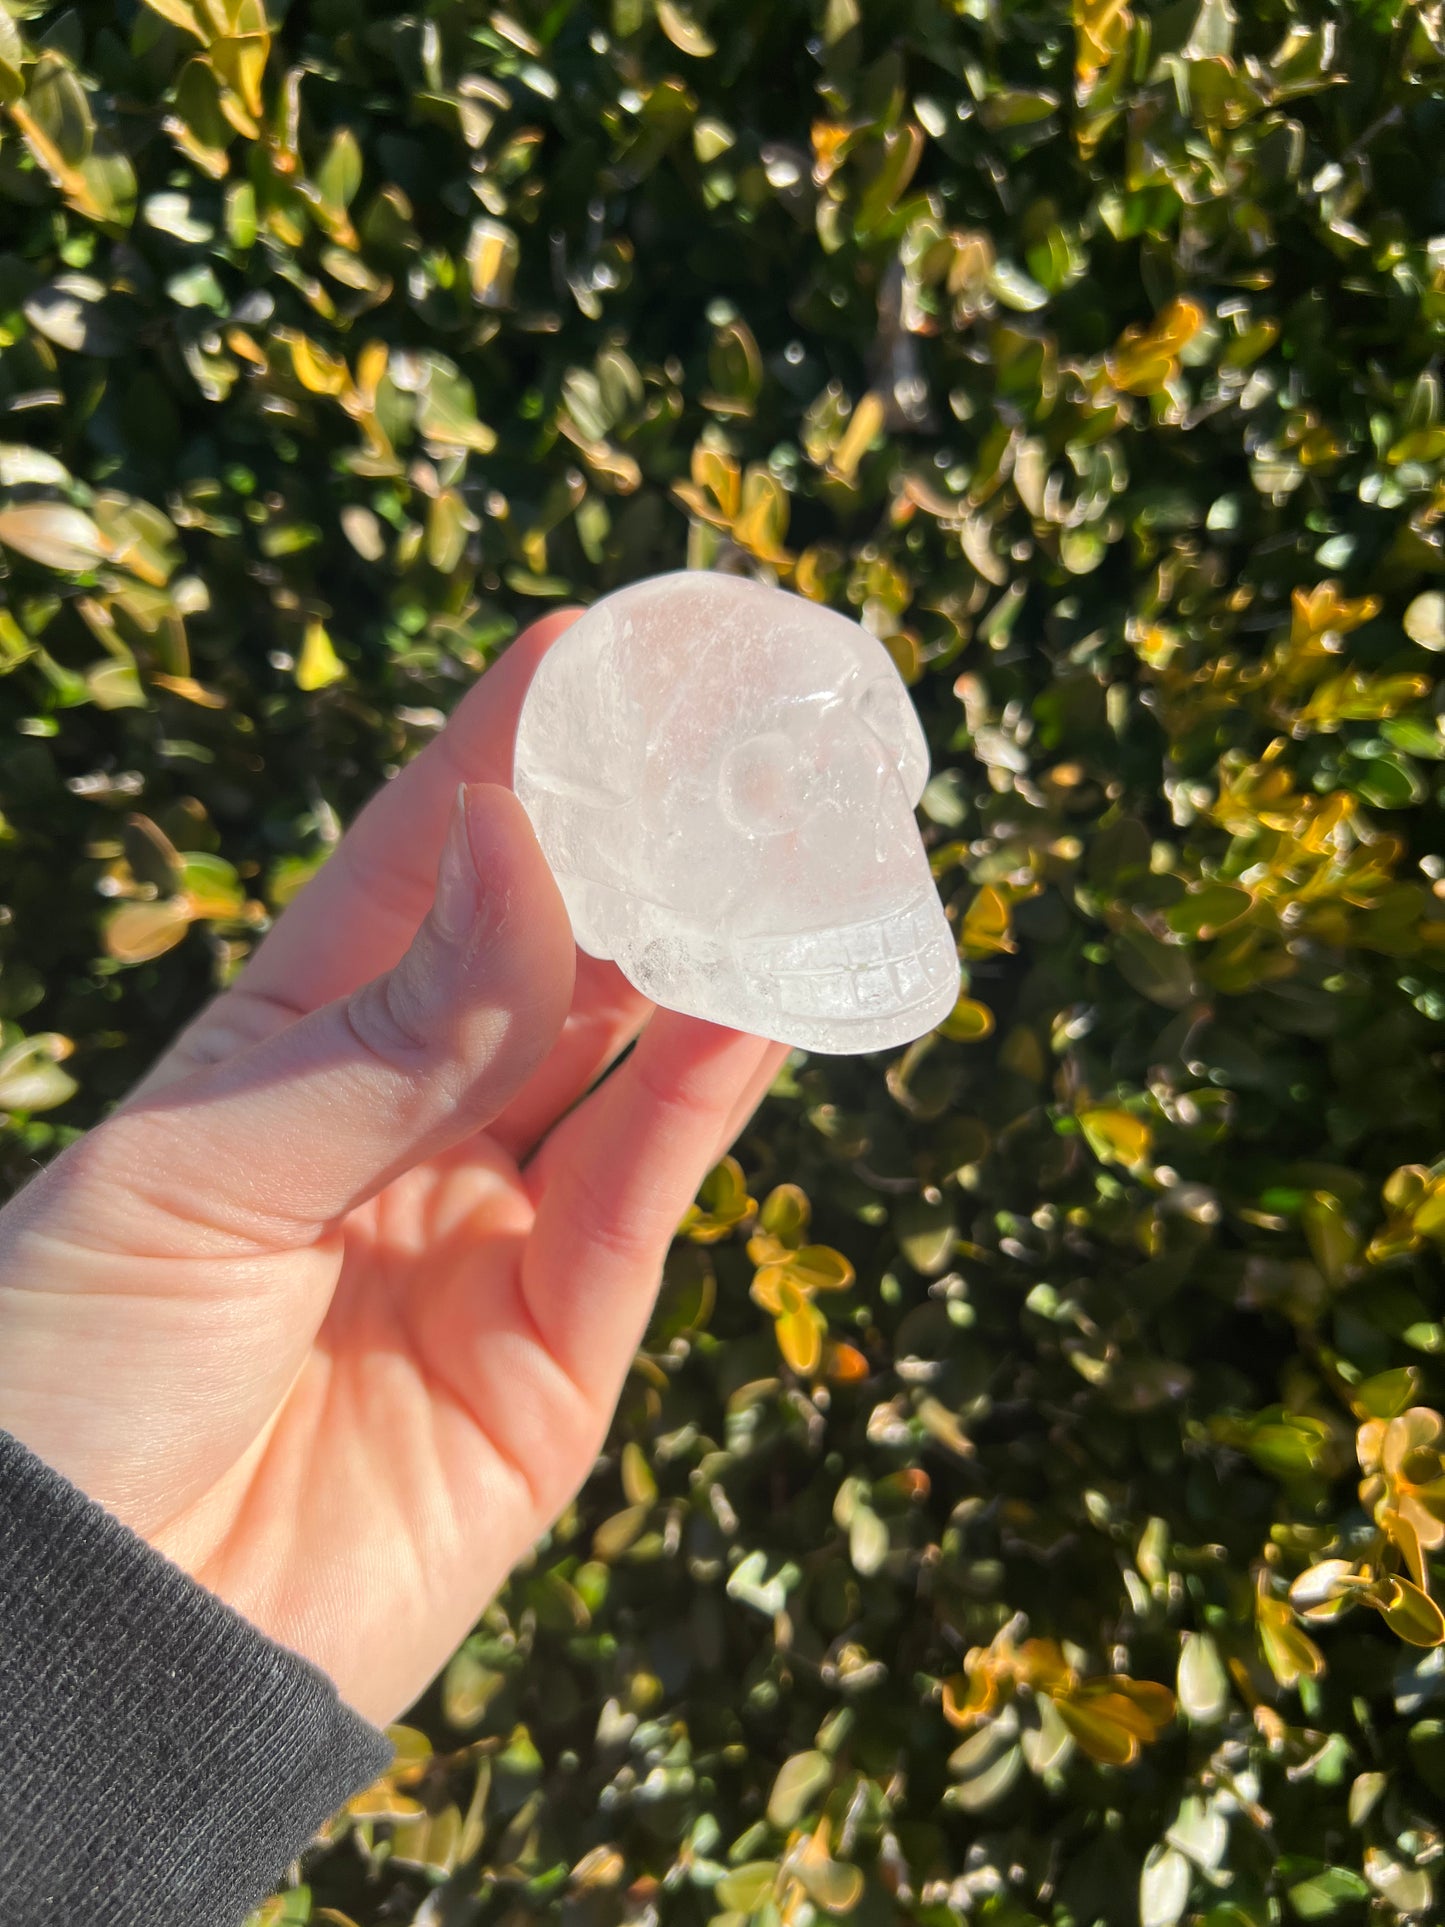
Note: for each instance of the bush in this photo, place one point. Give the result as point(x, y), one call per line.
point(1000, 1392)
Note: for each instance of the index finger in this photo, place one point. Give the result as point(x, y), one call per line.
point(359, 912)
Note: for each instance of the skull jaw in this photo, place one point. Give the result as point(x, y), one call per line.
point(862, 987)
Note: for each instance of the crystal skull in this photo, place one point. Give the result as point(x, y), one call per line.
point(723, 777)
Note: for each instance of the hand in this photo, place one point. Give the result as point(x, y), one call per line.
point(335, 1309)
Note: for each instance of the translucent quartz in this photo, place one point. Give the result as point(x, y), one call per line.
point(723, 777)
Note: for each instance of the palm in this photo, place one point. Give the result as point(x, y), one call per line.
point(427, 1440)
point(352, 1429)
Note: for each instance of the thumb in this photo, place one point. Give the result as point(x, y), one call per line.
point(286, 1136)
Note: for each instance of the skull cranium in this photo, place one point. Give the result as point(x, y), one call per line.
point(722, 776)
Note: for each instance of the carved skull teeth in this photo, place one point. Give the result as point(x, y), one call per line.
point(891, 961)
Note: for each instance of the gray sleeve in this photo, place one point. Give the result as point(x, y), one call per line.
point(162, 1760)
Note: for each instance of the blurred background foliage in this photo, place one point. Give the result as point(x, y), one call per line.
point(1025, 1504)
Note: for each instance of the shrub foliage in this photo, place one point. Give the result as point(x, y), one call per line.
point(1026, 1501)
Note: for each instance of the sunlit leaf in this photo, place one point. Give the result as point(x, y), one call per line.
point(30, 1075)
point(800, 1337)
point(1147, 357)
point(1412, 1613)
point(136, 932)
point(986, 926)
point(1202, 1684)
point(969, 1022)
point(799, 1781)
point(318, 665)
point(1116, 1136)
point(52, 533)
point(683, 31)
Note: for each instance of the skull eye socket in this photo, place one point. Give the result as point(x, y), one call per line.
point(764, 786)
point(885, 707)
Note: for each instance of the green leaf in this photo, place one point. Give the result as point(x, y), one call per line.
point(1334, 1242)
point(20, 464)
point(339, 176)
point(745, 1887)
point(1321, 1895)
point(1213, 33)
point(683, 31)
point(756, 1585)
point(53, 534)
point(1159, 971)
point(468, 1688)
point(927, 1233)
point(1015, 289)
point(785, 1215)
point(985, 1768)
point(210, 884)
point(831, 1884)
point(799, 1782)
point(12, 59)
point(1409, 1890)
point(1203, 1684)
point(638, 1481)
point(1425, 620)
point(1208, 909)
point(1163, 1888)
point(1412, 1614)
point(613, 1537)
point(1386, 1393)
point(30, 1075)
point(868, 1542)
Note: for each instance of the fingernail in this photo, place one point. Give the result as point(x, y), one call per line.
point(459, 888)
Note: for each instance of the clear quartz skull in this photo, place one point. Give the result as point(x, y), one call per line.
point(722, 777)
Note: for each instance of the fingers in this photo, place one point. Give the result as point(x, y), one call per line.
point(358, 914)
point(614, 1178)
point(606, 1015)
point(753, 1093)
point(278, 1141)
point(360, 911)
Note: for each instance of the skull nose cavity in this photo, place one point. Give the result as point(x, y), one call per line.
point(887, 963)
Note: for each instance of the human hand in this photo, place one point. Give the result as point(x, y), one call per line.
point(335, 1309)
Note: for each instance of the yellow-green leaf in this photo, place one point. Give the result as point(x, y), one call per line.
point(969, 1022)
point(615, 1535)
point(1412, 1613)
point(210, 885)
point(30, 1075)
point(782, 1223)
point(800, 1780)
point(318, 665)
point(136, 932)
point(493, 255)
point(985, 931)
point(637, 1478)
point(746, 1886)
point(683, 31)
point(800, 1337)
point(819, 1268)
point(1116, 1136)
point(181, 14)
point(863, 426)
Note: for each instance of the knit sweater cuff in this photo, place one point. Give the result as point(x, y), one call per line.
point(163, 1760)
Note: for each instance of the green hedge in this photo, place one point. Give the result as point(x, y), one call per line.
point(1090, 356)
